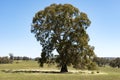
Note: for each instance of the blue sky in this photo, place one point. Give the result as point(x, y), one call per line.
point(16, 18)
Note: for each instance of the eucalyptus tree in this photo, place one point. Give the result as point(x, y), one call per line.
point(62, 27)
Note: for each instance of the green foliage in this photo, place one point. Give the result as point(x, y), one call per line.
point(101, 61)
point(63, 27)
point(5, 60)
point(115, 63)
point(92, 66)
point(11, 56)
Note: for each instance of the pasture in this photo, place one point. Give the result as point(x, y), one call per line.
point(108, 73)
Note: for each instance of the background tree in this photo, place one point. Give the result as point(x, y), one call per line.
point(115, 63)
point(25, 58)
point(37, 58)
point(11, 57)
point(101, 61)
point(5, 60)
point(63, 27)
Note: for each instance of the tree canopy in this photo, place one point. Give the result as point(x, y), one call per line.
point(63, 27)
point(115, 62)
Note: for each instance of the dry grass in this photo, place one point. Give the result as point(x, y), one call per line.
point(104, 73)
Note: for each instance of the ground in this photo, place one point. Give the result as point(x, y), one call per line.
point(107, 73)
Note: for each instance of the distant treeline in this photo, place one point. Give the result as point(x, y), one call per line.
point(108, 61)
point(100, 61)
point(6, 59)
point(22, 58)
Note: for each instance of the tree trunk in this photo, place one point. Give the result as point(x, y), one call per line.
point(64, 68)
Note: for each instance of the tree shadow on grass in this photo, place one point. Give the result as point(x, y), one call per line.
point(33, 71)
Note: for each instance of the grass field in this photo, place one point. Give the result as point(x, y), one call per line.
point(111, 73)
